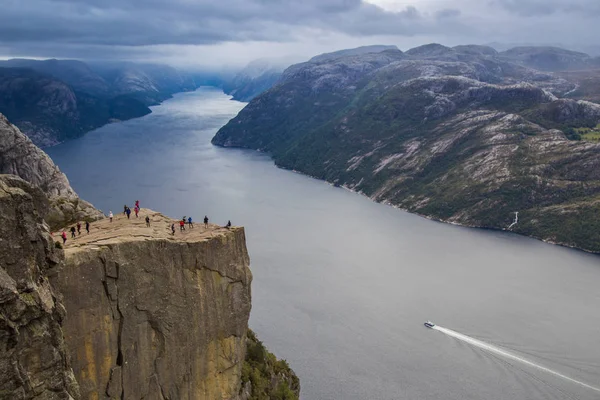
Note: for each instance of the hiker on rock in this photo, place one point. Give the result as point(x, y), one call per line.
point(87, 227)
point(63, 235)
point(72, 232)
point(205, 221)
point(110, 216)
point(137, 203)
point(228, 226)
point(128, 212)
point(136, 210)
point(125, 209)
point(190, 224)
point(182, 225)
point(78, 228)
point(173, 229)
point(148, 221)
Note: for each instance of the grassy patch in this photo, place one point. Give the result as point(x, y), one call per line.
point(590, 134)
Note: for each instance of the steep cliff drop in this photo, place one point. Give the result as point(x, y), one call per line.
point(152, 315)
point(33, 357)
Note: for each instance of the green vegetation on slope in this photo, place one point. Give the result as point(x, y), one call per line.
point(420, 136)
point(269, 378)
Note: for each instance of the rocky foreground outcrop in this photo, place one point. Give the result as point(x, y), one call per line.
point(19, 156)
point(34, 361)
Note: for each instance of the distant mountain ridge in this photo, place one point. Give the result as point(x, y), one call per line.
point(466, 135)
point(262, 74)
point(56, 100)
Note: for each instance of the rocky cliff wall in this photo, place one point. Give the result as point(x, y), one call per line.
point(19, 156)
point(33, 357)
point(155, 316)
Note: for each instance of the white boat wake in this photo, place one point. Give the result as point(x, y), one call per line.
point(498, 351)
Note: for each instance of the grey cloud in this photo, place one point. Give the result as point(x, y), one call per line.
point(532, 8)
point(151, 22)
point(448, 13)
point(183, 29)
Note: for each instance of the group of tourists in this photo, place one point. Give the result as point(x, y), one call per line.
point(136, 210)
point(190, 223)
point(76, 228)
point(186, 220)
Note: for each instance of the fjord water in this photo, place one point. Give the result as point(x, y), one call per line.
point(343, 285)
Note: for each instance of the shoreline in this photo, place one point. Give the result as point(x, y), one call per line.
point(429, 217)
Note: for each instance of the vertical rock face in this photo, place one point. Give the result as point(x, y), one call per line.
point(19, 156)
point(152, 316)
point(33, 358)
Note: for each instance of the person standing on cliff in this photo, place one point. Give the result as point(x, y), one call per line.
point(137, 204)
point(190, 224)
point(128, 212)
point(228, 226)
point(148, 221)
point(87, 227)
point(125, 209)
point(63, 235)
point(72, 232)
point(205, 222)
point(78, 228)
point(136, 210)
point(173, 229)
point(182, 225)
point(110, 216)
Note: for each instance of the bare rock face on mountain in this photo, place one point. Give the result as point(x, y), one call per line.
point(458, 134)
point(19, 156)
point(33, 358)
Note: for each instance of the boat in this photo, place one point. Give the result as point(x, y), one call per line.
point(429, 324)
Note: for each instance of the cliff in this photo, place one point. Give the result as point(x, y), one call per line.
point(456, 134)
point(20, 157)
point(127, 311)
point(33, 357)
point(161, 316)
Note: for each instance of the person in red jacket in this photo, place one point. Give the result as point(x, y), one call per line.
point(182, 225)
point(64, 236)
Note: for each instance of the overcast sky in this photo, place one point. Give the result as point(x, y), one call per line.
point(233, 32)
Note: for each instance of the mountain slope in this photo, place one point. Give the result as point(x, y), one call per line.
point(550, 58)
point(49, 111)
point(469, 142)
point(19, 156)
point(56, 100)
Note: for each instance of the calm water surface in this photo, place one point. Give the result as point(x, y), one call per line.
point(342, 285)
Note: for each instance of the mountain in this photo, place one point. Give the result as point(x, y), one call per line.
point(56, 100)
point(78, 75)
point(20, 157)
point(351, 52)
point(456, 134)
point(255, 78)
point(260, 75)
point(550, 58)
point(50, 111)
point(149, 83)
